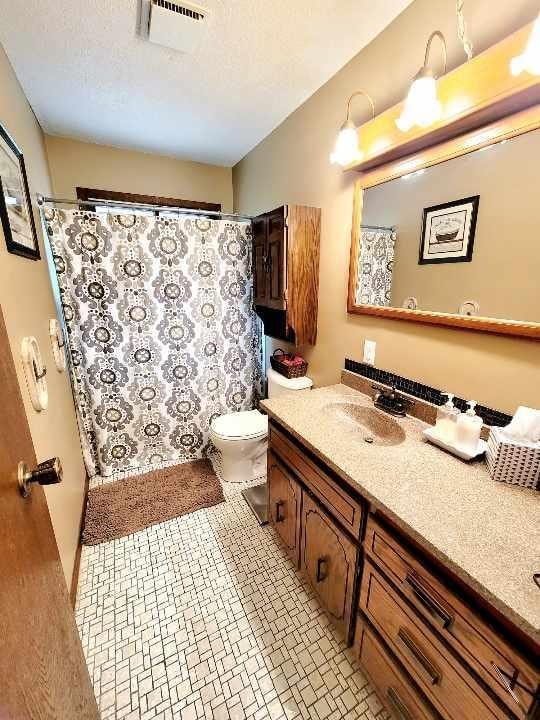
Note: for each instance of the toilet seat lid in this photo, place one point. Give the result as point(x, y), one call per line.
point(246, 424)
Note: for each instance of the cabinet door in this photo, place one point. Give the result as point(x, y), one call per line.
point(283, 505)
point(276, 259)
point(328, 560)
point(260, 283)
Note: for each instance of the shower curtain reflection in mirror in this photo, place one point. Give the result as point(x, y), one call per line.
point(374, 286)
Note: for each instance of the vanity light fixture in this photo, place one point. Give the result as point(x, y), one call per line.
point(482, 137)
point(408, 166)
point(529, 60)
point(346, 149)
point(415, 173)
point(422, 106)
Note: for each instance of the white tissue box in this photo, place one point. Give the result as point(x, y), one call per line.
point(512, 461)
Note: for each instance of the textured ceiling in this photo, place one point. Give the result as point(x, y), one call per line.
point(89, 74)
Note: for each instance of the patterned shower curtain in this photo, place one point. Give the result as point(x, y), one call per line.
point(162, 336)
point(375, 268)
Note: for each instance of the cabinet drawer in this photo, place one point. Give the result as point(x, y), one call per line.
point(393, 687)
point(488, 653)
point(337, 501)
point(446, 682)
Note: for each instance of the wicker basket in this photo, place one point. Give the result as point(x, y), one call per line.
point(288, 371)
point(513, 462)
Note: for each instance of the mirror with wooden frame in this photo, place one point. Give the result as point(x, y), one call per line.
point(450, 235)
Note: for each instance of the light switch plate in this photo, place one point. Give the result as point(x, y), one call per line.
point(369, 351)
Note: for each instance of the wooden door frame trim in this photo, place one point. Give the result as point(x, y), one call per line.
point(89, 194)
point(77, 563)
point(509, 127)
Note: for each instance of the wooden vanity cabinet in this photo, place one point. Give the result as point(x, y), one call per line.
point(431, 648)
point(401, 698)
point(328, 561)
point(346, 509)
point(286, 250)
point(511, 677)
point(284, 497)
point(448, 684)
point(328, 526)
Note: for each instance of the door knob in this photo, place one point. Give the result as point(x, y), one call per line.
point(47, 473)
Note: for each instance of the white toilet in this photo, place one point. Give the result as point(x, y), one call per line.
point(241, 437)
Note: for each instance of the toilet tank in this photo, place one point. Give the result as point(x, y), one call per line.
point(279, 385)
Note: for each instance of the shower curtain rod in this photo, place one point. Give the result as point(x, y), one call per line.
point(378, 227)
point(41, 200)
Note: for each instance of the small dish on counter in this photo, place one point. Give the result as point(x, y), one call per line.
point(460, 452)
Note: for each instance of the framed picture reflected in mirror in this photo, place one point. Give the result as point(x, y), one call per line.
point(15, 203)
point(448, 231)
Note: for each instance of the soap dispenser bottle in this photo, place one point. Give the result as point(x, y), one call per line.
point(468, 429)
point(445, 424)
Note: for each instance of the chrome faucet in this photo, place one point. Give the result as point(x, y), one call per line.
point(390, 401)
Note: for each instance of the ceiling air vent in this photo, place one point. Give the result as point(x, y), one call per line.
point(179, 26)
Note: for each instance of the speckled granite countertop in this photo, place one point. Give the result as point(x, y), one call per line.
point(486, 532)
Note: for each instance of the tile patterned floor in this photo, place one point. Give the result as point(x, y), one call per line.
point(205, 617)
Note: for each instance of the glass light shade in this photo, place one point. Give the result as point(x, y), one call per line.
point(529, 60)
point(346, 149)
point(422, 106)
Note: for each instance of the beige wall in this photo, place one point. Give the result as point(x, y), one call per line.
point(503, 274)
point(27, 304)
point(291, 165)
point(79, 164)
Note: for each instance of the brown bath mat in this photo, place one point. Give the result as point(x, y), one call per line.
point(120, 508)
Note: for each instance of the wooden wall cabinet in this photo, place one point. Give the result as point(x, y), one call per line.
point(286, 250)
point(431, 647)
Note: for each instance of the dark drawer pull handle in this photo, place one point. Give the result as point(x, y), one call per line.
point(397, 703)
point(419, 655)
point(279, 516)
point(321, 575)
point(428, 601)
point(506, 684)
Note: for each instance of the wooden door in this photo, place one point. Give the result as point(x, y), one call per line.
point(284, 505)
point(328, 560)
point(276, 259)
point(43, 674)
point(259, 241)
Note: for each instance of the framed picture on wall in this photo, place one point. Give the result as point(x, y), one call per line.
point(448, 231)
point(15, 203)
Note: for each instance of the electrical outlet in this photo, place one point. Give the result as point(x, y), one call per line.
point(369, 351)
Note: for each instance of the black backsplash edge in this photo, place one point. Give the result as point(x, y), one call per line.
point(423, 392)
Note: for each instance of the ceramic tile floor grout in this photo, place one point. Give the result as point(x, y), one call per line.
point(204, 616)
